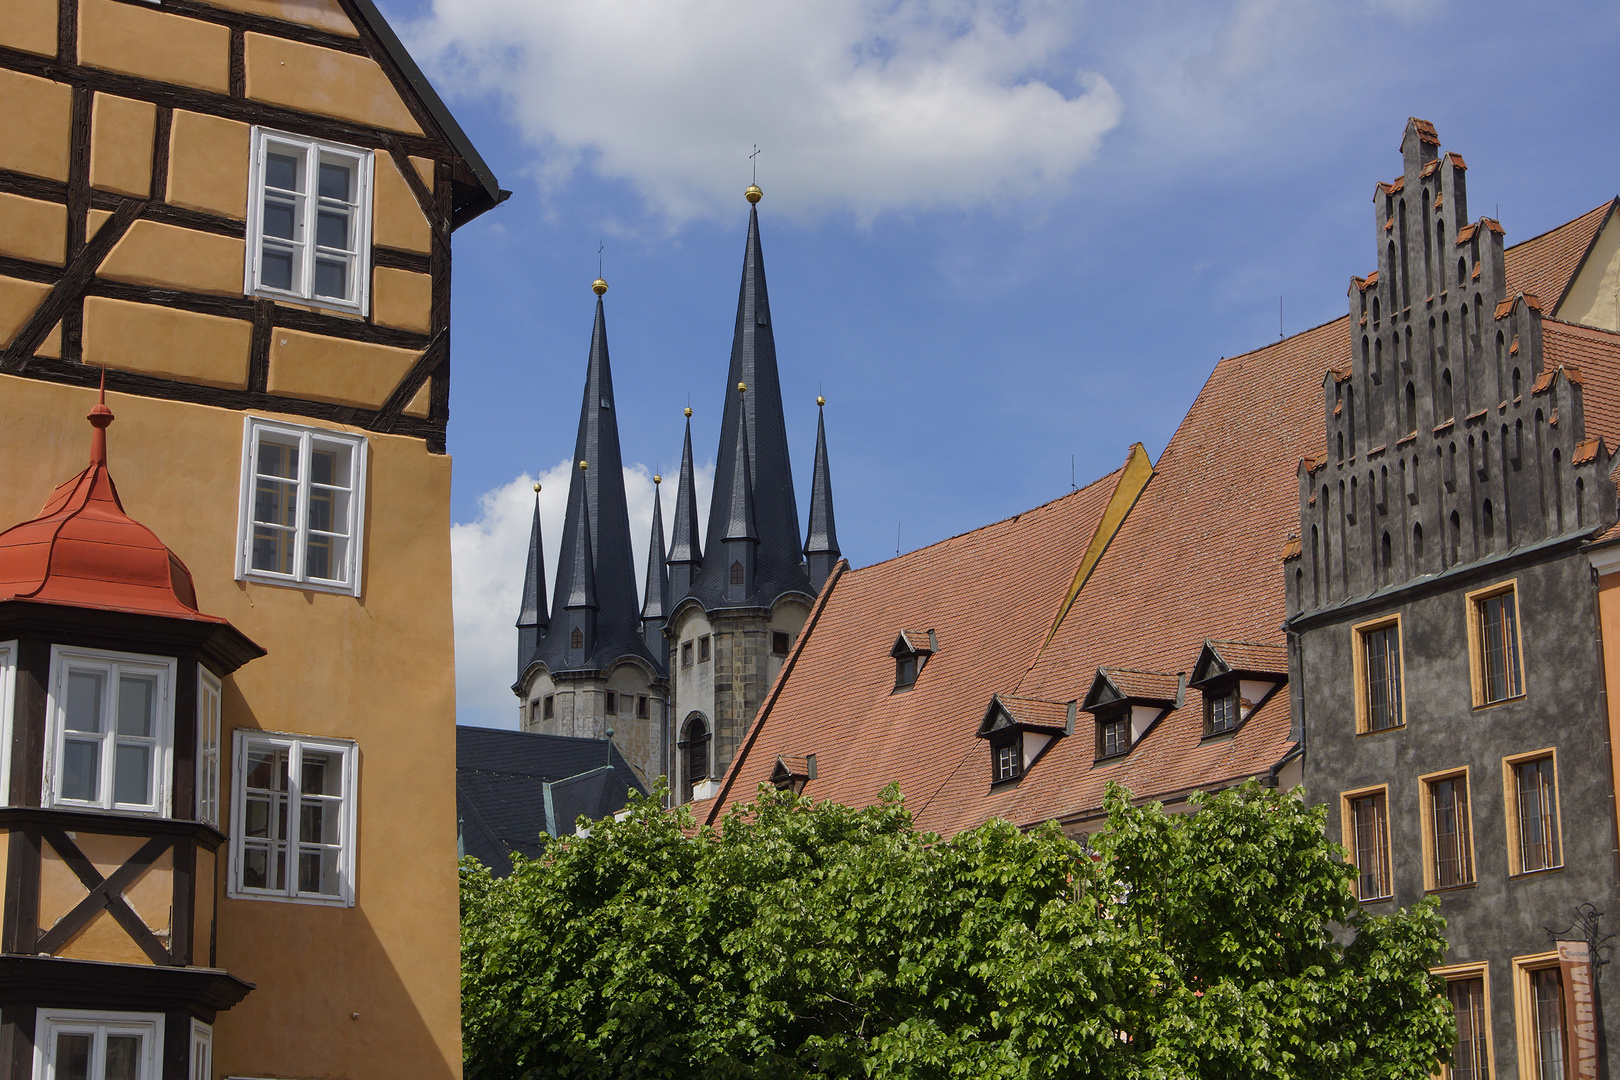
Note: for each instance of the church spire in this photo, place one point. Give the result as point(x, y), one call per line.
point(532, 616)
point(597, 528)
point(765, 472)
point(655, 605)
point(821, 546)
point(741, 537)
point(685, 554)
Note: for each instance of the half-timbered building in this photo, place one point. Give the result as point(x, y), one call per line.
point(227, 755)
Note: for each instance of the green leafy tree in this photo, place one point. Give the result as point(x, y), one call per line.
point(812, 940)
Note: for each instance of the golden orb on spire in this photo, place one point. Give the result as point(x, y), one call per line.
point(820, 400)
point(657, 479)
point(742, 388)
point(689, 412)
point(583, 465)
point(598, 286)
point(753, 194)
point(537, 489)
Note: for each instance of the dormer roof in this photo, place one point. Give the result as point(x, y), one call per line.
point(1218, 659)
point(1115, 686)
point(915, 643)
point(1028, 714)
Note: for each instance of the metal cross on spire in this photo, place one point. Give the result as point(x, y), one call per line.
point(600, 244)
point(754, 163)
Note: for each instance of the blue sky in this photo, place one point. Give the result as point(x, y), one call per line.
point(1000, 236)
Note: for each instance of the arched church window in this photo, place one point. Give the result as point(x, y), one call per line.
point(737, 574)
point(694, 748)
point(576, 640)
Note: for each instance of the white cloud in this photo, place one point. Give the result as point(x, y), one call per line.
point(860, 105)
point(488, 556)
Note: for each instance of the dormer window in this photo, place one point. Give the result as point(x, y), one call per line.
point(793, 773)
point(1113, 733)
point(1220, 710)
point(1127, 704)
point(1236, 678)
point(1019, 730)
point(911, 652)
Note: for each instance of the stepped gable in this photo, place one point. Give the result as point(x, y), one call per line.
point(767, 475)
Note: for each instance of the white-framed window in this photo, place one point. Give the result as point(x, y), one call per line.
point(111, 725)
point(208, 729)
point(74, 1044)
point(8, 696)
point(309, 221)
point(294, 808)
point(303, 499)
point(202, 1051)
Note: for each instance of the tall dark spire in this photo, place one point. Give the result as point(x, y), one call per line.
point(655, 604)
point(532, 616)
point(766, 472)
point(581, 612)
point(821, 545)
point(685, 554)
point(741, 538)
point(598, 523)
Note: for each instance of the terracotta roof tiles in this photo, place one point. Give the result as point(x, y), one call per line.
point(1546, 264)
point(1258, 657)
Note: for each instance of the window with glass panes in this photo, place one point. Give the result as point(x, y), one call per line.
point(1221, 711)
point(1547, 1003)
point(202, 1052)
point(1498, 637)
point(294, 816)
point(71, 1044)
point(1369, 825)
point(1007, 759)
point(1471, 1058)
point(309, 229)
point(1449, 842)
point(1381, 677)
point(111, 721)
point(303, 489)
point(1535, 786)
point(1114, 733)
point(208, 729)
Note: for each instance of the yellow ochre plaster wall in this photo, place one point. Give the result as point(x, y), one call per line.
point(1594, 295)
point(137, 40)
point(208, 164)
point(18, 299)
point(325, 81)
point(167, 255)
point(121, 145)
point(1609, 627)
point(378, 669)
point(397, 220)
point(34, 125)
point(167, 342)
point(322, 14)
point(402, 298)
point(327, 369)
point(33, 229)
point(29, 26)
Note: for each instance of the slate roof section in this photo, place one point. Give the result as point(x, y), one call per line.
point(533, 617)
point(1195, 560)
point(768, 474)
point(501, 779)
point(821, 540)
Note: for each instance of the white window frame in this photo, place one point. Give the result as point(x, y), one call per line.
point(8, 697)
point(312, 149)
point(98, 1024)
point(252, 428)
point(241, 742)
point(210, 715)
point(202, 1051)
point(63, 657)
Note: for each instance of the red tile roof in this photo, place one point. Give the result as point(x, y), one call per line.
point(1144, 685)
point(1546, 264)
point(1195, 559)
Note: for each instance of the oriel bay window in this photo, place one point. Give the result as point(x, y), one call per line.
point(1530, 787)
point(1447, 831)
point(303, 490)
point(309, 221)
point(1377, 651)
point(294, 818)
point(74, 1044)
point(110, 731)
point(1365, 821)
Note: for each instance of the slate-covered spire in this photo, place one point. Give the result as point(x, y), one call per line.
point(581, 612)
point(741, 538)
point(821, 545)
point(655, 603)
point(685, 555)
point(532, 616)
point(766, 472)
point(598, 523)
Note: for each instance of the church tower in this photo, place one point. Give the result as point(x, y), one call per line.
point(739, 601)
point(587, 668)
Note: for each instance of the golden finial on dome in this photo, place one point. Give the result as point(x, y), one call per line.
point(820, 401)
point(537, 489)
point(583, 465)
point(753, 194)
point(742, 388)
point(598, 286)
point(689, 412)
point(657, 479)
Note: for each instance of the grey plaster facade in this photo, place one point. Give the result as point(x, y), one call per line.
point(1457, 462)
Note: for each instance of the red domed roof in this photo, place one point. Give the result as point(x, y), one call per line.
point(84, 551)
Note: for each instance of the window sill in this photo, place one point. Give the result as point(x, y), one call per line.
point(334, 307)
point(281, 898)
point(1377, 900)
point(906, 689)
point(1438, 889)
point(1008, 782)
point(1482, 706)
point(1523, 874)
point(1381, 731)
point(1111, 759)
point(337, 588)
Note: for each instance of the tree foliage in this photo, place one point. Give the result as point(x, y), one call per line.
point(811, 940)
